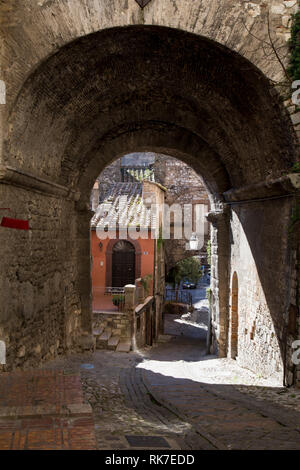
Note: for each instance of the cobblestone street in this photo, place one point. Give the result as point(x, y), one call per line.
point(170, 396)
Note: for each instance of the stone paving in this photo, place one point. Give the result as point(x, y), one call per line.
point(44, 410)
point(122, 406)
point(169, 391)
point(172, 391)
point(227, 418)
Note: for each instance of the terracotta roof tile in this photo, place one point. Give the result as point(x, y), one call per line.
point(125, 207)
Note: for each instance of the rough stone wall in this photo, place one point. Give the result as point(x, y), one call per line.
point(296, 287)
point(219, 285)
point(138, 159)
point(262, 303)
point(110, 174)
point(184, 186)
point(140, 329)
point(40, 311)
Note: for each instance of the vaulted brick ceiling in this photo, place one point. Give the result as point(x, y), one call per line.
point(149, 88)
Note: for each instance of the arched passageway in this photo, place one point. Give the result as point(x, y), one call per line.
point(146, 88)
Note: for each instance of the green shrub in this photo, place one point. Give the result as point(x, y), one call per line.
point(118, 299)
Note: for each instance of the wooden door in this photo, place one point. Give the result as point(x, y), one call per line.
point(123, 264)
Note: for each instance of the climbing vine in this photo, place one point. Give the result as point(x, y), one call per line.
point(294, 69)
point(160, 240)
point(295, 216)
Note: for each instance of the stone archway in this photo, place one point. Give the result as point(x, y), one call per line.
point(140, 88)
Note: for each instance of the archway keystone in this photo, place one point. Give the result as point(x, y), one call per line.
point(143, 3)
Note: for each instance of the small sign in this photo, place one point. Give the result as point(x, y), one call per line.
point(14, 223)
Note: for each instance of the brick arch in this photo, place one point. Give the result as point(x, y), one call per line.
point(57, 23)
point(100, 107)
point(109, 253)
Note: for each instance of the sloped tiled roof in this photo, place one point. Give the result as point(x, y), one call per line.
point(126, 208)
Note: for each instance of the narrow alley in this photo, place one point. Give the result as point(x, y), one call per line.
point(171, 396)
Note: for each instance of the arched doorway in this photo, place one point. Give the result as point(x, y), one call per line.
point(234, 317)
point(123, 264)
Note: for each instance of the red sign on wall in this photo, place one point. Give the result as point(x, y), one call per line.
point(10, 222)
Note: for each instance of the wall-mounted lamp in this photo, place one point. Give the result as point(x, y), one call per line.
point(193, 243)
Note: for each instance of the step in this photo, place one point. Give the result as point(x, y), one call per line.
point(124, 346)
point(105, 335)
point(113, 342)
point(98, 331)
point(103, 339)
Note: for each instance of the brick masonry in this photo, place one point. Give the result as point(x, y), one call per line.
point(44, 410)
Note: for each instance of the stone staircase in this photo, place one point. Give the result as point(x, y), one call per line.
point(105, 340)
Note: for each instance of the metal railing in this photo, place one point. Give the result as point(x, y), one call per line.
point(114, 290)
point(179, 296)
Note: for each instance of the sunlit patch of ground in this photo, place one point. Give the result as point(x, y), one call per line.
point(181, 360)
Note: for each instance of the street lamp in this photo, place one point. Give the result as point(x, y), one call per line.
point(193, 242)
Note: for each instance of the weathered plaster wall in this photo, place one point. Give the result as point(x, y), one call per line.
point(99, 278)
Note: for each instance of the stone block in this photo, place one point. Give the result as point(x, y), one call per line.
point(113, 342)
point(124, 346)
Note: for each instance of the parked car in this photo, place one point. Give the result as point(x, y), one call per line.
point(188, 285)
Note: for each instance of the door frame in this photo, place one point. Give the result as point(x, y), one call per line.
point(109, 253)
point(123, 264)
